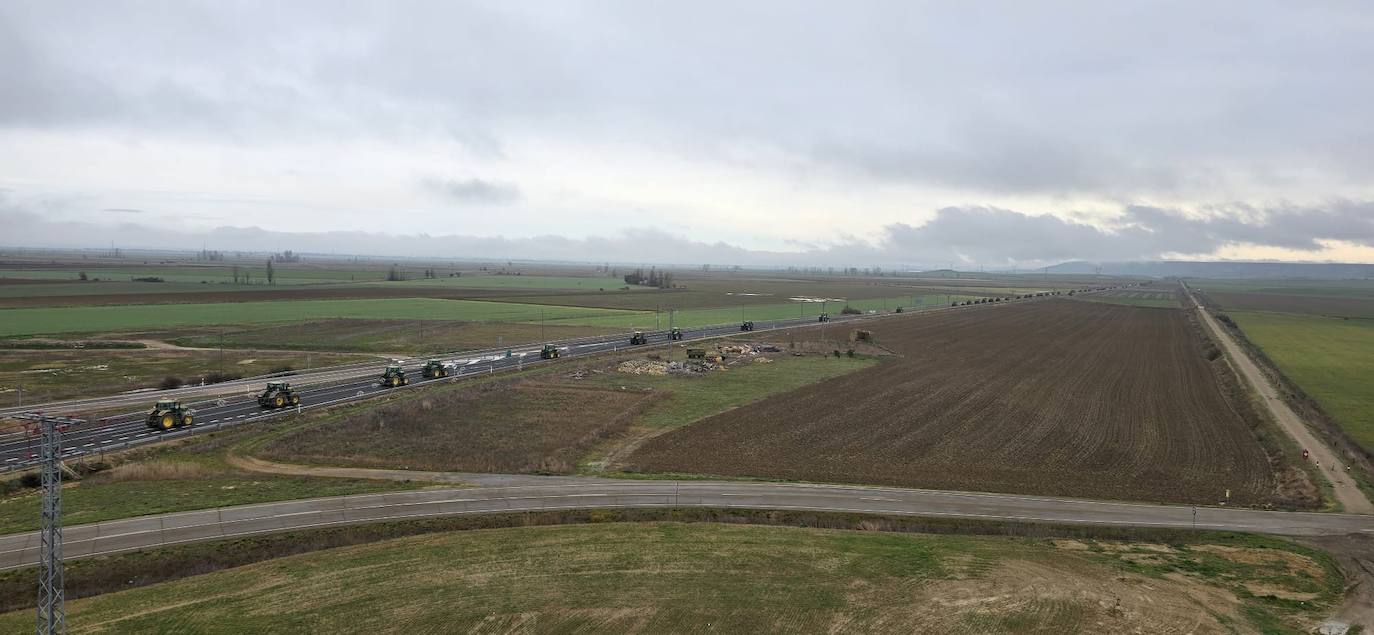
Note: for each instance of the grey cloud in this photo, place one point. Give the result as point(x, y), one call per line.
point(1021, 99)
point(993, 236)
point(473, 190)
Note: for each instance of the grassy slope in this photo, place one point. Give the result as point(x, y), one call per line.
point(187, 477)
point(1330, 359)
point(665, 577)
point(132, 317)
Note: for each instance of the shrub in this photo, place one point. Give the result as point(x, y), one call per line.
point(169, 383)
point(849, 310)
point(218, 377)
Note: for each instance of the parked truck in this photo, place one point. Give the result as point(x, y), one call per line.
point(278, 394)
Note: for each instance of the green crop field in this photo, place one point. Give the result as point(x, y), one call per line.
point(668, 577)
point(84, 319)
point(282, 274)
point(467, 281)
point(1330, 359)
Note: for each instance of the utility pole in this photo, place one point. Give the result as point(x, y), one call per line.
point(51, 616)
point(221, 353)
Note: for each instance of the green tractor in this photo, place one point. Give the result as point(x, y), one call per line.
point(549, 352)
point(278, 394)
point(638, 338)
point(433, 369)
point(675, 334)
point(168, 414)
point(393, 376)
point(748, 325)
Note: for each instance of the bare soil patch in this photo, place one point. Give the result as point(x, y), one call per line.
point(1058, 398)
point(519, 427)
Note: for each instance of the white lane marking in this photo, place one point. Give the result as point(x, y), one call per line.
point(10, 459)
point(87, 445)
point(124, 438)
point(108, 441)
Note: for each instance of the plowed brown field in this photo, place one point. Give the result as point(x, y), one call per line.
point(1056, 398)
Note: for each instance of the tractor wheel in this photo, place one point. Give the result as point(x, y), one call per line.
point(279, 401)
point(186, 420)
point(405, 381)
point(395, 382)
point(295, 400)
point(168, 421)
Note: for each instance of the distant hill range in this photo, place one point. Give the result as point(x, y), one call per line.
point(1185, 269)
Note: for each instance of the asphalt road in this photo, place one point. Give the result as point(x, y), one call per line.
point(324, 387)
point(555, 493)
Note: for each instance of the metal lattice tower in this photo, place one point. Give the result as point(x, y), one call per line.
point(51, 611)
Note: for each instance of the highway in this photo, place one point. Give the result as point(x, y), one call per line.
point(320, 388)
point(532, 493)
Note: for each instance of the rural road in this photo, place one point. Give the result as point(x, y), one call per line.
point(503, 494)
point(1343, 487)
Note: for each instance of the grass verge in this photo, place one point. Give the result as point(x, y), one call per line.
point(189, 475)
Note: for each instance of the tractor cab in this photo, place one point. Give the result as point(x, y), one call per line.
point(748, 325)
point(434, 369)
point(549, 352)
point(394, 376)
point(675, 333)
point(278, 394)
point(168, 414)
point(638, 338)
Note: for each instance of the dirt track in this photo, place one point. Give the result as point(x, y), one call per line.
point(1342, 485)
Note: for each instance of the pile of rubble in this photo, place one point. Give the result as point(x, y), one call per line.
point(643, 367)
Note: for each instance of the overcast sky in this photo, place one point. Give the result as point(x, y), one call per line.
point(834, 133)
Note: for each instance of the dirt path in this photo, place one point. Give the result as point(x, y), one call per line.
point(1342, 485)
point(453, 478)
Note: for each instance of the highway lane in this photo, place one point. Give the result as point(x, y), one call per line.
point(18, 448)
point(562, 493)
